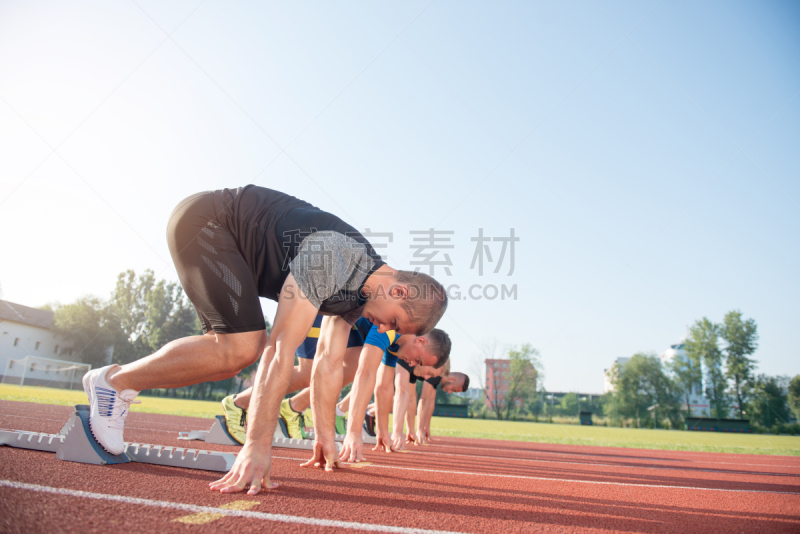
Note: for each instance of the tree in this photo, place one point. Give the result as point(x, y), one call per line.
point(768, 403)
point(688, 372)
point(741, 337)
point(569, 404)
point(794, 396)
point(521, 376)
point(149, 314)
point(88, 327)
point(702, 345)
point(640, 385)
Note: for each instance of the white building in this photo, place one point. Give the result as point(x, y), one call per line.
point(699, 404)
point(607, 385)
point(28, 331)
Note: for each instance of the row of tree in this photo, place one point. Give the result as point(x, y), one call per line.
point(141, 315)
point(718, 365)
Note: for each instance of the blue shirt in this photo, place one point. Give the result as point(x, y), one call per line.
point(386, 342)
point(358, 333)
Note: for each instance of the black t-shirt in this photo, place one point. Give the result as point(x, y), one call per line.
point(412, 378)
point(269, 228)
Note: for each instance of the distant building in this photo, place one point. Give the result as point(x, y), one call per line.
point(607, 384)
point(699, 404)
point(26, 331)
point(497, 381)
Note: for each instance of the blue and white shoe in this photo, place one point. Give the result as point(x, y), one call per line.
point(108, 409)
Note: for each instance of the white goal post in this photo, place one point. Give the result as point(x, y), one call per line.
point(47, 372)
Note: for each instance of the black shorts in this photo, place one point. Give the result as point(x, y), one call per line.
point(212, 270)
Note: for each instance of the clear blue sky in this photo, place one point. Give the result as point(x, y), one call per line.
point(645, 153)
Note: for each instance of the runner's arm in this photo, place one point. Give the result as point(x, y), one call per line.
point(326, 380)
point(401, 387)
point(363, 386)
point(411, 414)
point(427, 402)
point(293, 320)
point(384, 391)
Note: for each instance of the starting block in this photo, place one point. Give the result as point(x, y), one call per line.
point(366, 439)
point(75, 443)
point(219, 435)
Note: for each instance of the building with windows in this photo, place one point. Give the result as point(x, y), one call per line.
point(699, 404)
point(26, 331)
point(498, 377)
point(496, 381)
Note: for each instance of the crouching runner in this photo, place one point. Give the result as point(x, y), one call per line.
point(231, 247)
point(388, 347)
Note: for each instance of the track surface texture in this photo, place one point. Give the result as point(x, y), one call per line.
point(455, 485)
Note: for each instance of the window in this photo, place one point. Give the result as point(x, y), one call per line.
point(37, 345)
point(55, 350)
point(16, 341)
point(33, 366)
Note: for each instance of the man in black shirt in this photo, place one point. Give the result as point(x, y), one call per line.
point(452, 383)
point(231, 247)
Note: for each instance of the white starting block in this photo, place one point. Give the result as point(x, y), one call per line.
point(366, 439)
point(219, 435)
point(75, 443)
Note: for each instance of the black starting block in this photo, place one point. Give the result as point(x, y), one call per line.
point(75, 443)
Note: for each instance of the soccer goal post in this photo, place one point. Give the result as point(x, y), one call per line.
point(45, 372)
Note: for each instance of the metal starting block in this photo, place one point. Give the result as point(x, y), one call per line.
point(219, 435)
point(366, 439)
point(75, 443)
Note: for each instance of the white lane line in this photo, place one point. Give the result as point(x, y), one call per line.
point(666, 458)
point(592, 464)
point(547, 479)
point(426, 470)
point(281, 518)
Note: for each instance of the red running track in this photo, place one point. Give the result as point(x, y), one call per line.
point(455, 485)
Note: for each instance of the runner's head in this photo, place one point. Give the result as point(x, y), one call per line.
point(427, 371)
point(455, 383)
point(406, 302)
point(431, 350)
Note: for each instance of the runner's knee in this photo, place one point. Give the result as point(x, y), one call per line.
point(240, 350)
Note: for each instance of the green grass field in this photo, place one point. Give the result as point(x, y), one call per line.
point(480, 428)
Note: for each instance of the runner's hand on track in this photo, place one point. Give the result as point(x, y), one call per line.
point(398, 441)
point(324, 456)
point(253, 466)
point(412, 438)
point(383, 444)
point(352, 448)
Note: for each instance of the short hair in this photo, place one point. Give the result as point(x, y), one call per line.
point(465, 386)
point(426, 302)
point(439, 345)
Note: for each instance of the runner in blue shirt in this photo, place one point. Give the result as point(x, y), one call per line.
point(432, 349)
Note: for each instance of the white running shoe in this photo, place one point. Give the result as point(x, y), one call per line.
point(108, 409)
